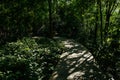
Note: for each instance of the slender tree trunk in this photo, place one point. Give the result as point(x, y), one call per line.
point(101, 22)
point(107, 24)
point(50, 19)
point(96, 24)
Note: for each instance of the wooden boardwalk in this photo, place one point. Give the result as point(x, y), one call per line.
point(77, 63)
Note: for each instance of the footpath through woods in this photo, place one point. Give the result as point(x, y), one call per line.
point(77, 63)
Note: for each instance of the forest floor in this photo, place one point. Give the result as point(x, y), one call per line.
point(76, 63)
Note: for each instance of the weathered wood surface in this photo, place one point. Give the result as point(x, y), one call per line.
point(77, 63)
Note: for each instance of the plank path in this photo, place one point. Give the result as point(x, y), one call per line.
point(77, 63)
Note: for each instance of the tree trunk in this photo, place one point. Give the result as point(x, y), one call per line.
point(107, 22)
point(96, 25)
point(50, 19)
point(101, 23)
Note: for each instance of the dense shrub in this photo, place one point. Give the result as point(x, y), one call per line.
point(108, 57)
point(29, 59)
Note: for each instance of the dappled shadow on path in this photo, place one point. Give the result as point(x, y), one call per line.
point(77, 64)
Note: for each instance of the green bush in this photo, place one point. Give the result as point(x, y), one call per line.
point(29, 59)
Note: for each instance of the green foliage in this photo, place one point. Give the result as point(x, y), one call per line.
point(28, 59)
